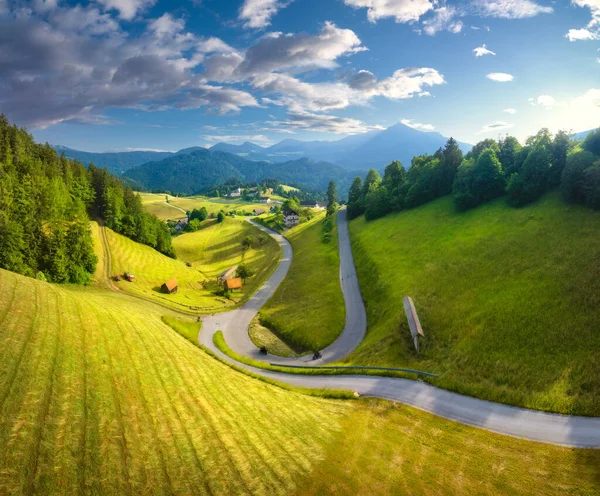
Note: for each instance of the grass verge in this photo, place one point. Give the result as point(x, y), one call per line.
point(262, 336)
point(509, 299)
point(307, 311)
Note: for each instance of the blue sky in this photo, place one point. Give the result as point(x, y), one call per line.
point(151, 74)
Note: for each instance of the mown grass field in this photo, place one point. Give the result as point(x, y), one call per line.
point(217, 247)
point(155, 204)
point(99, 396)
point(211, 250)
point(509, 299)
point(307, 310)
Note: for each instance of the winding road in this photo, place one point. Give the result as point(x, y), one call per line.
point(564, 430)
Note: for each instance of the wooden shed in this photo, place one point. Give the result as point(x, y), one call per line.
point(233, 284)
point(170, 287)
point(227, 274)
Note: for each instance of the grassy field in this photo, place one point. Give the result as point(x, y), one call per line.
point(217, 247)
point(99, 396)
point(307, 311)
point(390, 449)
point(155, 204)
point(508, 298)
point(213, 249)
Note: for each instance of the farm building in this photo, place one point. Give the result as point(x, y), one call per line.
point(227, 274)
point(181, 223)
point(236, 193)
point(232, 284)
point(265, 199)
point(258, 211)
point(170, 287)
point(290, 218)
point(129, 276)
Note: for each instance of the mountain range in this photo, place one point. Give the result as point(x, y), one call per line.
point(373, 149)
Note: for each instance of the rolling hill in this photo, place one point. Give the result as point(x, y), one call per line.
point(192, 172)
point(508, 299)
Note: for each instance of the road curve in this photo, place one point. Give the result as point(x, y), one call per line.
point(564, 430)
point(234, 324)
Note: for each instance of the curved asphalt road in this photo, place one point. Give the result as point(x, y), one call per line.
point(519, 422)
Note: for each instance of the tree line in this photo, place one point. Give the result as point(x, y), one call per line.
point(46, 202)
point(523, 173)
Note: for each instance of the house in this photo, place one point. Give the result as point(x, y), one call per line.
point(264, 199)
point(236, 193)
point(232, 284)
point(170, 287)
point(313, 204)
point(290, 218)
point(181, 223)
point(258, 211)
point(227, 274)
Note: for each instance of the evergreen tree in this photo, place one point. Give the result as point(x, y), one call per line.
point(533, 180)
point(572, 185)
point(451, 159)
point(355, 199)
point(331, 199)
point(372, 182)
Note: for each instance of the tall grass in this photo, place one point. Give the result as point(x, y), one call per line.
point(509, 299)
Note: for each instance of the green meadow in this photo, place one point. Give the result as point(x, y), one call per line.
point(508, 299)
point(211, 250)
point(99, 396)
point(307, 310)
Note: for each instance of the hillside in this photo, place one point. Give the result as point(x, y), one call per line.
point(190, 173)
point(508, 299)
point(99, 396)
point(374, 149)
point(313, 279)
point(213, 249)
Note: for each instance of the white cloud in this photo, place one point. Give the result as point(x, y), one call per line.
point(500, 77)
point(127, 9)
point(442, 19)
point(475, 28)
point(510, 9)
point(592, 30)
point(400, 10)
point(236, 138)
point(582, 34)
point(482, 50)
point(495, 126)
point(165, 25)
point(278, 51)
point(510, 110)
point(307, 121)
point(417, 125)
point(546, 100)
point(258, 13)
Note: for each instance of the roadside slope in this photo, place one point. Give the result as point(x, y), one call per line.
point(508, 299)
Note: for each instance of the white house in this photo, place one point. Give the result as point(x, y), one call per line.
point(290, 218)
point(265, 199)
point(236, 193)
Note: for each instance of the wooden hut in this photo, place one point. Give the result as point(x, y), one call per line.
point(232, 284)
point(170, 287)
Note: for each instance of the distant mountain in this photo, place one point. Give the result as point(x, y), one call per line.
point(190, 173)
point(373, 149)
point(115, 162)
point(581, 136)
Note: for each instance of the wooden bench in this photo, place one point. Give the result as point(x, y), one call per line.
point(413, 321)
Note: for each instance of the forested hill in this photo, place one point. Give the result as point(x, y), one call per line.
point(46, 202)
point(116, 162)
point(190, 173)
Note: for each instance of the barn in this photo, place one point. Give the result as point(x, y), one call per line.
point(170, 287)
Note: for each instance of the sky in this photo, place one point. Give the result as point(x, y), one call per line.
point(116, 75)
